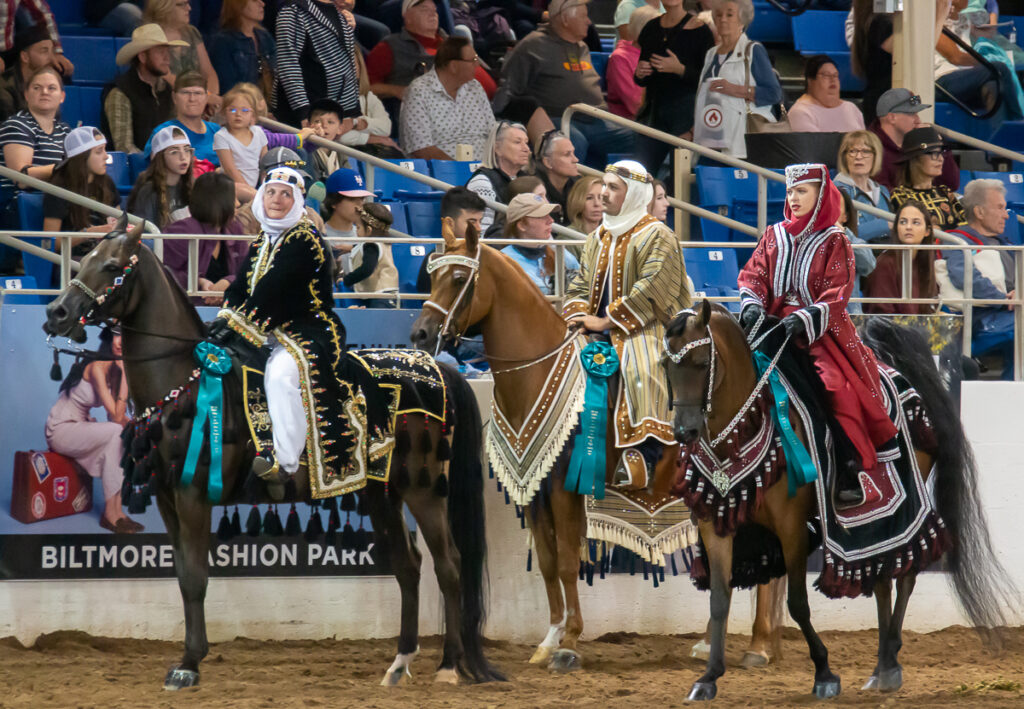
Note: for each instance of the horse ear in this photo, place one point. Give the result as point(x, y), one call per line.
point(472, 238)
point(134, 236)
point(660, 315)
point(122, 223)
point(704, 316)
point(448, 232)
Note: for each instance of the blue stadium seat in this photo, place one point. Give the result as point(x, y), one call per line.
point(424, 218)
point(387, 182)
point(93, 58)
point(454, 172)
point(20, 283)
point(408, 259)
point(68, 12)
point(1010, 135)
point(82, 106)
point(735, 192)
point(1012, 232)
point(965, 177)
point(138, 163)
point(400, 221)
point(600, 62)
point(30, 218)
point(119, 171)
point(769, 25)
point(711, 268)
point(71, 109)
point(819, 32)
point(1014, 183)
point(407, 196)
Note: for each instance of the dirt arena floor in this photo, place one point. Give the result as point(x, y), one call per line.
point(69, 669)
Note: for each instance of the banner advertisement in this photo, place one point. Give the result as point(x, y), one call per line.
point(52, 509)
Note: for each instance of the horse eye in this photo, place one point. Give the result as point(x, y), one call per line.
point(111, 267)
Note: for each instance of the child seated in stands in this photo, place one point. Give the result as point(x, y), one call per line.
point(84, 172)
point(325, 116)
point(240, 144)
point(340, 209)
point(370, 268)
point(292, 141)
point(162, 192)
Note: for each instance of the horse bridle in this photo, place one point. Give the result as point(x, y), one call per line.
point(677, 357)
point(448, 331)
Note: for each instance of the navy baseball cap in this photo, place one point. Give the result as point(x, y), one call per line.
point(348, 183)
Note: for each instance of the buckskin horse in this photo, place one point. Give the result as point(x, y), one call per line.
point(716, 399)
point(525, 340)
point(122, 279)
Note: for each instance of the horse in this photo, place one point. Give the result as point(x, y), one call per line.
point(122, 279)
point(521, 332)
point(709, 367)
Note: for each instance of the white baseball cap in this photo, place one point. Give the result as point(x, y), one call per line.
point(82, 140)
point(166, 138)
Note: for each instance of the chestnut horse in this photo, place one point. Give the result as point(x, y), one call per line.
point(160, 327)
point(485, 288)
point(710, 340)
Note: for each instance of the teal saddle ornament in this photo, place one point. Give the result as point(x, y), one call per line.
point(214, 363)
point(587, 465)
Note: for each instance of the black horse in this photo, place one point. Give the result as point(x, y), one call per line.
point(122, 279)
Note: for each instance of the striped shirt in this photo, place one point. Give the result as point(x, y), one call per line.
point(308, 41)
point(23, 129)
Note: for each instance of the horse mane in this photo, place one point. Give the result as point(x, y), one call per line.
point(177, 290)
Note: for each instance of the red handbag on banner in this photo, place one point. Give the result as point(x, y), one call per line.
point(48, 485)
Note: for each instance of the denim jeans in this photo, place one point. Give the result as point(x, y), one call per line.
point(972, 85)
point(595, 139)
point(123, 19)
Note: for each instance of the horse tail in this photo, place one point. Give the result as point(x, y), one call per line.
point(982, 586)
point(466, 521)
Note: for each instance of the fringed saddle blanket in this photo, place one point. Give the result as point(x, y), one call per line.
point(523, 457)
point(896, 531)
point(652, 527)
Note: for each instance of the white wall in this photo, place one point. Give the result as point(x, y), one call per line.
point(993, 415)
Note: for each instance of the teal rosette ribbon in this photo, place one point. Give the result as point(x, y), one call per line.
point(214, 363)
point(587, 464)
point(800, 468)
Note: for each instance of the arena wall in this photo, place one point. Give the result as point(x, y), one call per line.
point(993, 415)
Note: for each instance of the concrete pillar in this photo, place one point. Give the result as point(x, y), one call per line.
point(913, 52)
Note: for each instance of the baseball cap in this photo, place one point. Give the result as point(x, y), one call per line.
point(165, 138)
point(348, 183)
point(286, 157)
point(82, 140)
point(406, 4)
point(529, 204)
point(899, 101)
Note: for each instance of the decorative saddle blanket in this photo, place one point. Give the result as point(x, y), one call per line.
point(895, 530)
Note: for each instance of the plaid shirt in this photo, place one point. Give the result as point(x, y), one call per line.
point(38, 10)
point(119, 115)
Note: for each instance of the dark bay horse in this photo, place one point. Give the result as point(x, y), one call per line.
point(520, 327)
point(711, 340)
point(122, 279)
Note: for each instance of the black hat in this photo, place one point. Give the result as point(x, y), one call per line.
point(919, 141)
point(29, 36)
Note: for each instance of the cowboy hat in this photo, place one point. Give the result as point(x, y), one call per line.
point(919, 141)
point(143, 38)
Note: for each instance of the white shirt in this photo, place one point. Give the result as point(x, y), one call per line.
point(430, 116)
point(247, 157)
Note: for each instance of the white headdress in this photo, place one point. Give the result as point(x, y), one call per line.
point(639, 193)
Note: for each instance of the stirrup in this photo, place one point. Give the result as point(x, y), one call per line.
point(265, 467)
point(631, 472)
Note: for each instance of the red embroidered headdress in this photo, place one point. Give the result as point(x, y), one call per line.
point(825, 212)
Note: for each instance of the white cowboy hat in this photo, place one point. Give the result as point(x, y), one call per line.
point(143, 38)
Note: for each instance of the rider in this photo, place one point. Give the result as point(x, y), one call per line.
point(321, 401)
point(627, 262)
point(803, 272)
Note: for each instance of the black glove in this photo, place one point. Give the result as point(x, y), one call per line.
point(240, 348)
point(218, 330)
point(794, 324)
point(750, 316)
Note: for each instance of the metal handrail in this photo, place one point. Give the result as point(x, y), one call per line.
point(980, 144)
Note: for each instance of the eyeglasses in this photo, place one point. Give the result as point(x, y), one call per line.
point(860, 152)
point(236, 111)
point(830, 75)
point(935, 154)
point(473, 60)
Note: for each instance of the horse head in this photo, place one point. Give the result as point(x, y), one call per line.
point(101, 288)
point(688, 359)
point(453, 305)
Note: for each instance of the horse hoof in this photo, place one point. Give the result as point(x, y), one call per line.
point(871, 685)
point(564, 660)
point(447, 676)
point(700, 651)
point(541, 655)
point(826, 689)
point(179, 678)
point(754, 659)
point(702, 692)
point(891, 680)
point(393, 678)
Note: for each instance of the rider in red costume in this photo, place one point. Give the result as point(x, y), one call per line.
point(802, 271)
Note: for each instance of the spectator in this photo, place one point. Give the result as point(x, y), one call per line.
point(140, 99)
point(506, 155)
point(558, 168)
point(447, 106)
point(292, 141)
point(240, 144)
point(738, 83)
point(162, 193)
point(189, 106)
point(84, 172)
point(819, 109)
point(464, 208)
point(673, 48)
point(371, 131)
point(212, 211)
point(345, 195)
point(33, 139)
point(325, 118)
point(370, 267)
point(658, 208)
point(525, 184)
point(624, 12)
point(34, 50)
point(993, 271)
point(529, 217)
point(315, 59)
point(402, 56)
point(860, 158)
point(115, 16)
point(624, 95)
point(864, 259)
point(922, 157)
point(38, 13)
point(897, 115)
point(551, 69)
point(584, 204)
point(243, 50)
point(912, 226)
point(173, 18)
point(871, 55)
